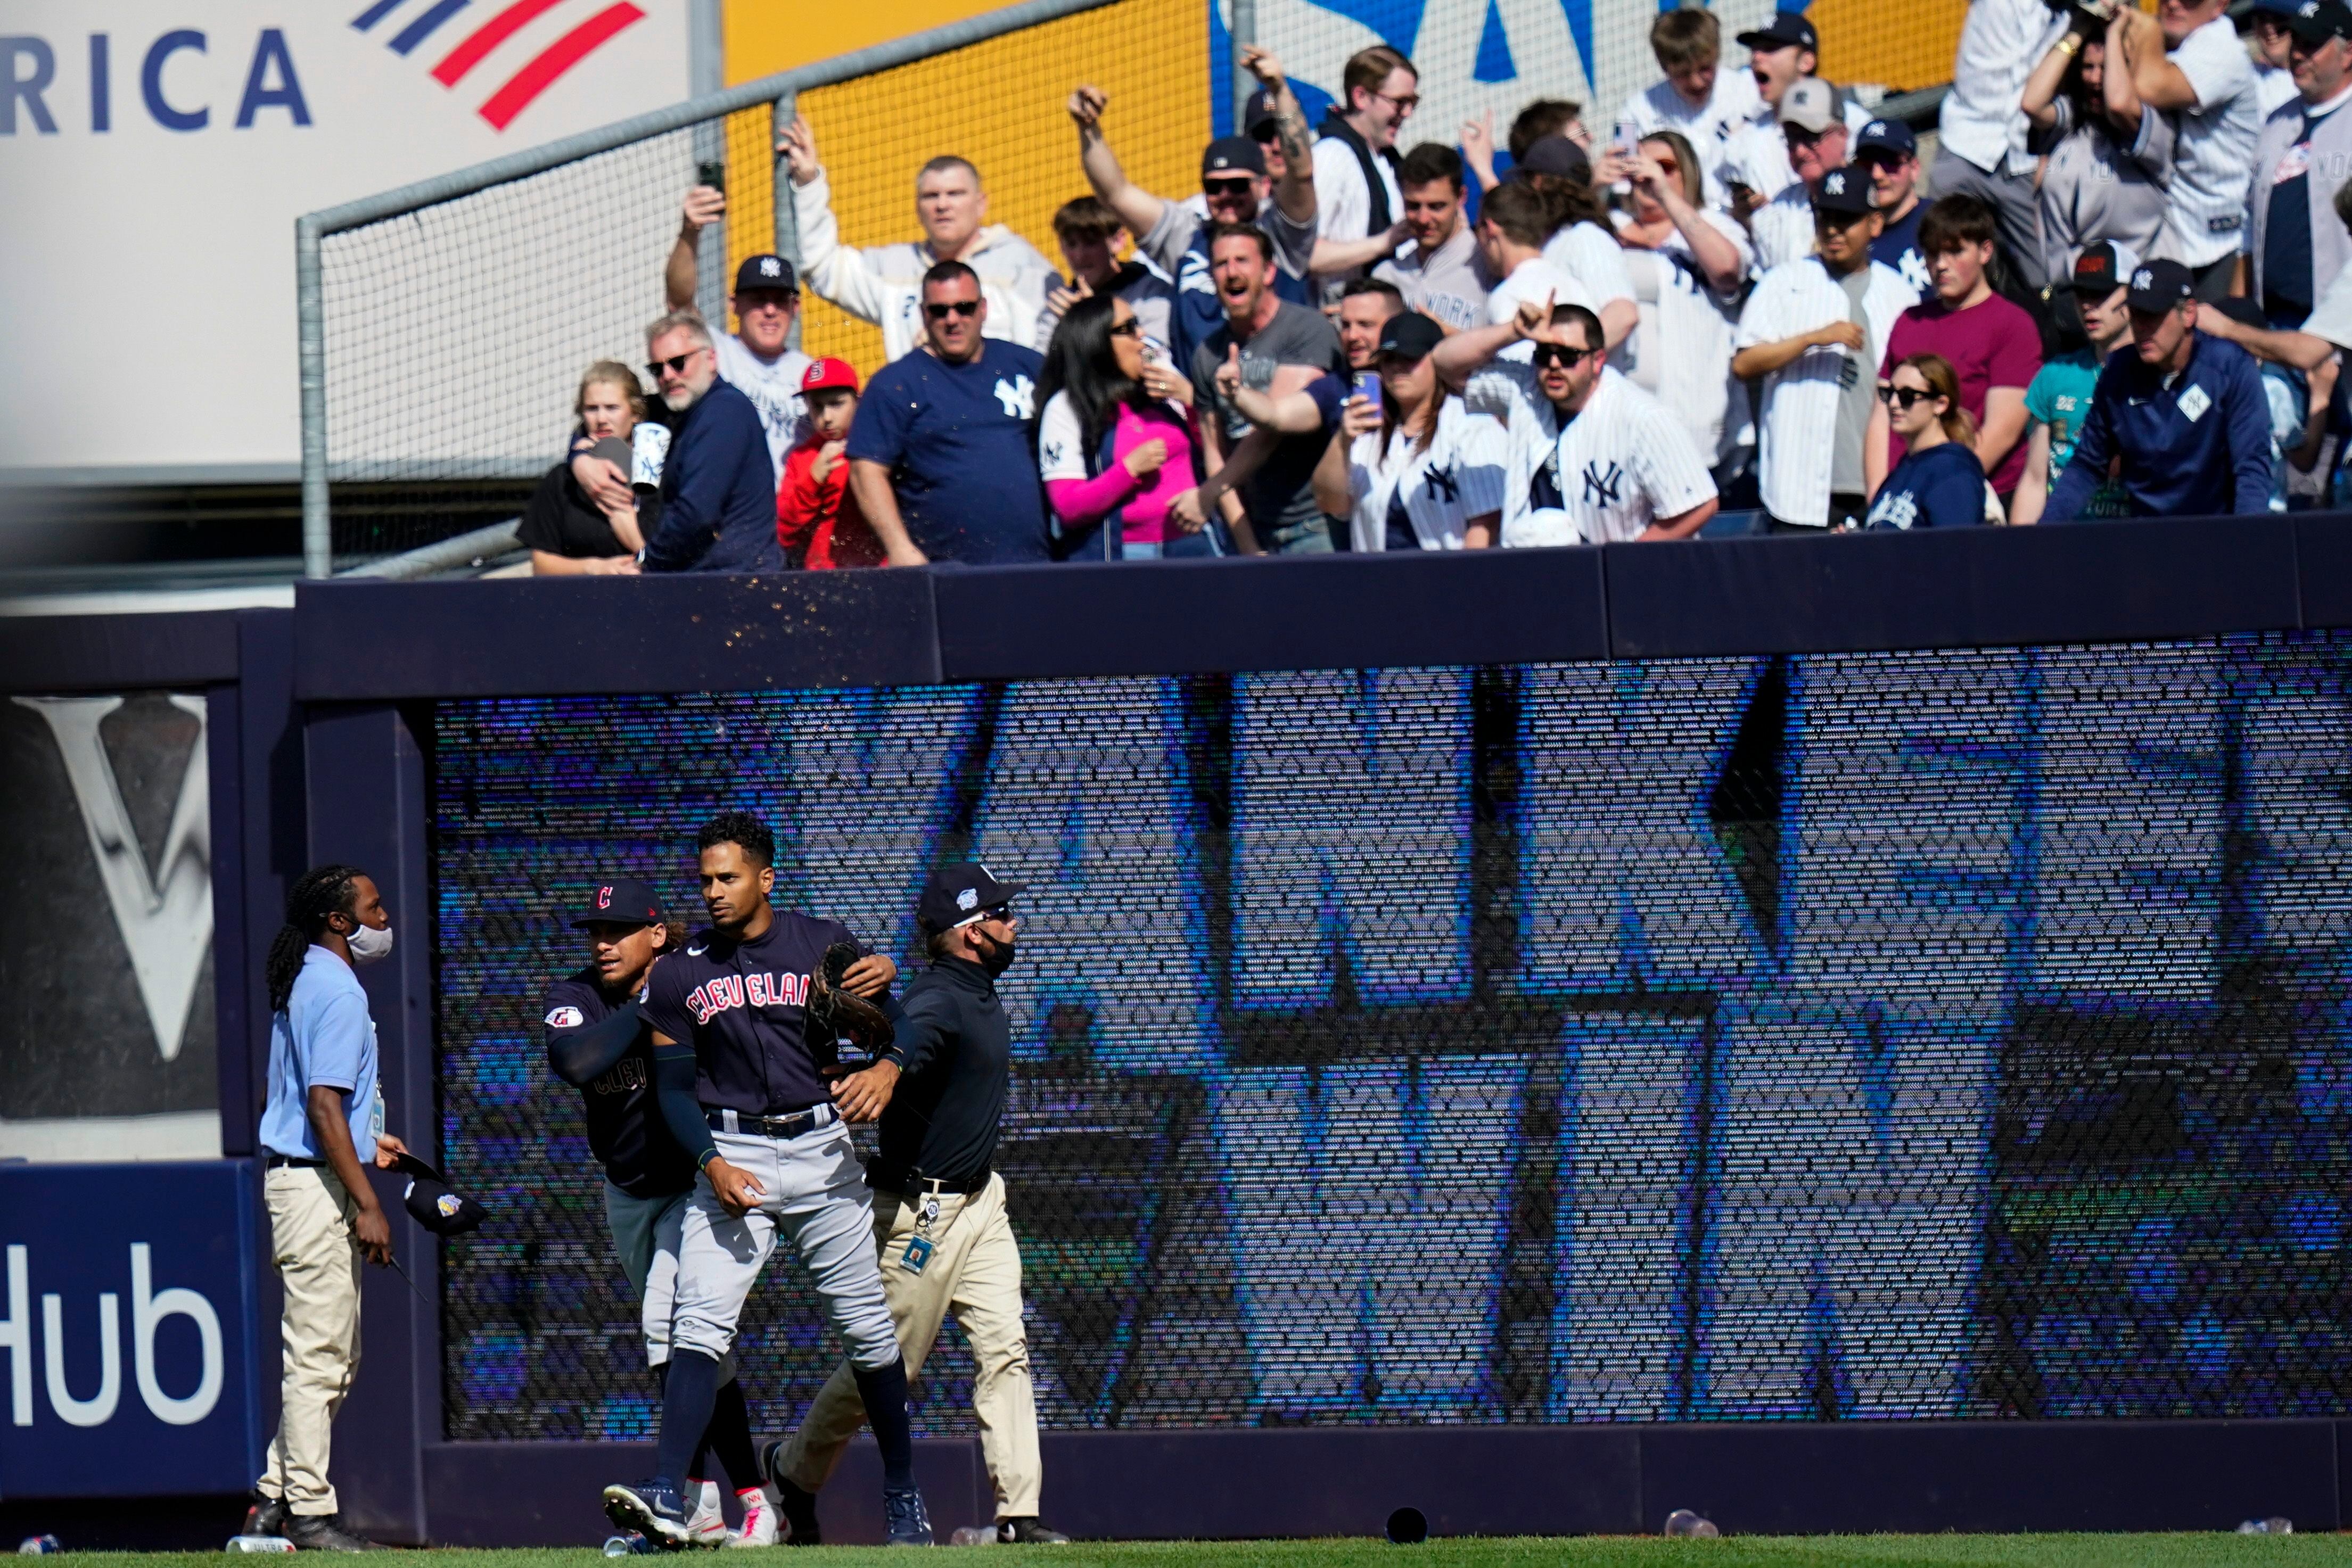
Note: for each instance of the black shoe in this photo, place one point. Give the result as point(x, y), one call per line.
point(798, 1507)
point(909, 1525)
point(653, 1509)
point(325, 1532)
point(1024, 1530)
point(265, 1517)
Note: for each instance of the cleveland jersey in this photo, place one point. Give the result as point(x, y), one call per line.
point(742, 1006)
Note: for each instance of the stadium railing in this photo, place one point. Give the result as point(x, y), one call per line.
point(514, 275)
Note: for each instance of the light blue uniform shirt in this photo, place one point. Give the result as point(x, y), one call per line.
point(324, 1036)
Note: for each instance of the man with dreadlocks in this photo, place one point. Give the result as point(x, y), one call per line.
point(324, 1121)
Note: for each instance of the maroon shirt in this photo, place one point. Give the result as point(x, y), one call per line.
point(1991, 344)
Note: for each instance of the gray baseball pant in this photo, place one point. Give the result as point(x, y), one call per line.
point(813, 1189)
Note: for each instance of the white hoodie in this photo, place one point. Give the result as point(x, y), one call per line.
point(883, 284)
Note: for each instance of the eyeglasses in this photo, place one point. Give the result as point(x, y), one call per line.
point(1904, 397)
point(675, 364)
point(1798, 136)
point(1549, 354)
point(1226, 187)
point(953, 307)
point(1406, 105)
point(1130, 328)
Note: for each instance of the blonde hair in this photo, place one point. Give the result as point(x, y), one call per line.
point(1943, 381)
point(611, 373)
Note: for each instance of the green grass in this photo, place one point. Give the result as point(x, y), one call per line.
point(1754, 1551)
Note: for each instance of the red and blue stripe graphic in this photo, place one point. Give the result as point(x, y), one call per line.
point(534, 76)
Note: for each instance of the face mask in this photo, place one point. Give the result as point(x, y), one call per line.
point(994, 956)
point(369, 943)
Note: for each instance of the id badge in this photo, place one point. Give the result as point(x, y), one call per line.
point(918, 1254)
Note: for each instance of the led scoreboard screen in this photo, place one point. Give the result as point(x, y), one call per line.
point(1929, 1035)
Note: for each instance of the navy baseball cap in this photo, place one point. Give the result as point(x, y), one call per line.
point(2101, 269)
point(430, 1202)
point(1557, 155)
point(2160, 285)
point(1410, 335)
point(624, 901)
point(2277, 8)
point(1258, 118)
point(1231, 155)
point(959, 894)
point(1887, 136)
point(1846, 193)
point(769, 272)
point(1786, 28)
point(2314, 22)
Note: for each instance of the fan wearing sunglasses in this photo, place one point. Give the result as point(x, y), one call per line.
point(1356, 186)
point(1236, 187)
point(1589, 458)
point(719, 482)
point(1940, 484)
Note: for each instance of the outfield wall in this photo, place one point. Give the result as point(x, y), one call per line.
point(1545, 1038)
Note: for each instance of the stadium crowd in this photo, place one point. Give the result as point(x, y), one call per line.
point(2117, 288)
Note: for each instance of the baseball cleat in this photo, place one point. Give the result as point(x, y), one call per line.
point(903, 1511)
point(704, 1522)
point(1025, 1530)
point(652, 1508)
point(268, 1516)
point(759, 1520)
point(798, 1507)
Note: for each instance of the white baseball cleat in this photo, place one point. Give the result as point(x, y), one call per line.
point(760, 1520)
point(705, 1525)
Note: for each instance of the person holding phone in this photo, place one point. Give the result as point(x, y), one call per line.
point(1116, 442)
point(1428, 474)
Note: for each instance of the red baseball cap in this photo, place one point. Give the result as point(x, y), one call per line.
point(828, 374)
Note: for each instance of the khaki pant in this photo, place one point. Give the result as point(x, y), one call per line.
point(975, 1269)
point(318, 1260)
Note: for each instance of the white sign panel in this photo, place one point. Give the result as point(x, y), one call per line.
point(156, 153)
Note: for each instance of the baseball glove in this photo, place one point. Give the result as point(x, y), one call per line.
point(835, 1011)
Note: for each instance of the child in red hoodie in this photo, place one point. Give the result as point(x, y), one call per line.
point(817, 518)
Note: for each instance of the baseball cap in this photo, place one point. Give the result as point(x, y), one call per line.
point(958, 894)
point(1845, 192)
point(770, 272)
point(1785, 28)
point(1257, 115)
point(2314, 22)
point(1557, 155)
point(1810, 104)
point(2102, 268)
point(431, 1203)
point(624, 901)
point(2278, 7)
point(1228, 155)
point(827, 374)
point(1411, 334)
point(2160, 285)
point(1887, 136)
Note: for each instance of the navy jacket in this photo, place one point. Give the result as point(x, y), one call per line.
point(718, 490)
point(2199, 448)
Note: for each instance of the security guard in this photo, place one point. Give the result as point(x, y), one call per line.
point(939, 1209)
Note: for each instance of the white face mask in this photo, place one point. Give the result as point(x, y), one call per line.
point(370, 943)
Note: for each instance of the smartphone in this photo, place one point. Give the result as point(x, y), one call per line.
point(1368, 386)
point(711, 174)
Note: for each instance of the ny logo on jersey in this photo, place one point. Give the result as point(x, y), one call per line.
point(164, 910)
point(1601, 489)
point(721, 992)
point(1019, 396)
point(1443, 483)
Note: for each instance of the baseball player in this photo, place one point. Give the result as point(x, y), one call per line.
point(743, 1087)
point(598, 1041)
point(939, 1214)
point(1591, 458)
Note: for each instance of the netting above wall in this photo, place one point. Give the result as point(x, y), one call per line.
point(1783, 1038)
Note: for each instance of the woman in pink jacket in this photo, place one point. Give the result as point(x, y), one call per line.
point(1116, 441)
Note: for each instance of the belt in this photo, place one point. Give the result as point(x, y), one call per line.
point(790, 1125)
point(291, 1162)
point(907, 1181)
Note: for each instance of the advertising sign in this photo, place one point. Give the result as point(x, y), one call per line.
point(154, 155)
